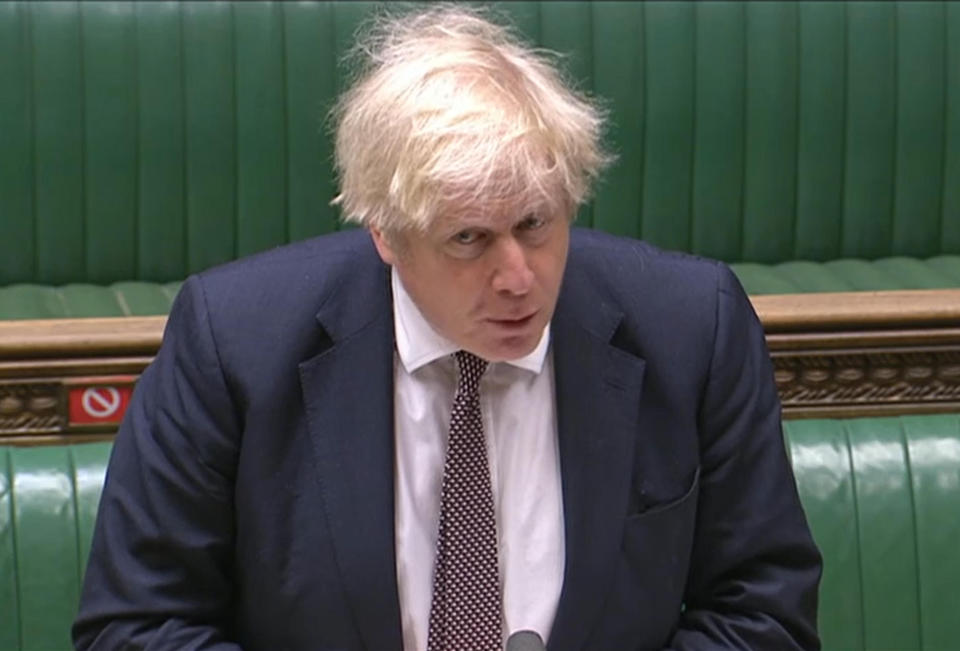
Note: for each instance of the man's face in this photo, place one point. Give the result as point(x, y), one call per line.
point(486, 281)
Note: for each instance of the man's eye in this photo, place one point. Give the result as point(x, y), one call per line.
point(467, 237)
point(532, 223)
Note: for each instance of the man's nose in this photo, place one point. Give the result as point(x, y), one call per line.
point(513, 274)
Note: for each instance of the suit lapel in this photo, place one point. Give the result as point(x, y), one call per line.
point(598, 390)
point(348, 395)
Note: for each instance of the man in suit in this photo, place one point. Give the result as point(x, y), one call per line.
point(463, 421)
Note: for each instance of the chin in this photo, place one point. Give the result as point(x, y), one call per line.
point(512, 348)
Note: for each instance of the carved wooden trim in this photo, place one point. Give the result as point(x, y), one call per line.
point(850, 382)
point(851, 354)
point(834, 355)
point(31, 407)
point(34, 409)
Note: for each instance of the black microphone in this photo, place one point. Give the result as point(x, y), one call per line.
point(525, 641)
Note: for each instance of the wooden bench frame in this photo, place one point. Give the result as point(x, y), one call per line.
point(851, 354)
point(834, 355)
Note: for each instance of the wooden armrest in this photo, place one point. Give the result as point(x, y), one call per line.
point(80, 337)
point(832, 311)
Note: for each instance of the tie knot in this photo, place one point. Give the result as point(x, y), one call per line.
point(471, 368)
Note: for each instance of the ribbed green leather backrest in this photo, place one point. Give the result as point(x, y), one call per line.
point(48, 505)
point(148, 140)
point(882, 496)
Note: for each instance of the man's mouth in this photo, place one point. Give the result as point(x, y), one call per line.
point(515, 323)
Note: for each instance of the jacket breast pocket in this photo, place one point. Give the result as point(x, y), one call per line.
point(662, 535)
point(647, 593)
point(661, 531)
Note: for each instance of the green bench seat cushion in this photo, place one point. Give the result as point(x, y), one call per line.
point(850, 275)
point(29, 301)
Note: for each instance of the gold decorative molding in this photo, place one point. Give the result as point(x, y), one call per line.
point(858, 383)
point(834, 355)
point(850, 354)
point(31, 407)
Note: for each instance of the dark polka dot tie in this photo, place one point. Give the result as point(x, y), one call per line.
point(465, 612)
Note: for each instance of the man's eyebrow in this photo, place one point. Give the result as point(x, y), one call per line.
point(461, 222)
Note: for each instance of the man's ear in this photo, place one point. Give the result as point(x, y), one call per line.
point(387, 252)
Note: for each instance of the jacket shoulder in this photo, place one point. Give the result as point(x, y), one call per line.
point(292, 279)
point(269, 302)
point(634, 272)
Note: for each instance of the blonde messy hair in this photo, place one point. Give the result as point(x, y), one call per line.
point(450, 110)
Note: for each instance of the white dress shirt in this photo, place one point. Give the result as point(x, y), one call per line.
point(518, 408)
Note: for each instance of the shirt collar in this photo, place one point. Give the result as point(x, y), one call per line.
point(418, 343)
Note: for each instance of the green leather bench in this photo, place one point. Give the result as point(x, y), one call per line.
point(882, 497)
point(816, 146)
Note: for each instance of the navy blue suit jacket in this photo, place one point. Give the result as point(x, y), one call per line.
point(249, 500)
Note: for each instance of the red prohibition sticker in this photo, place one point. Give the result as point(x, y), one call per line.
point(101, 404)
